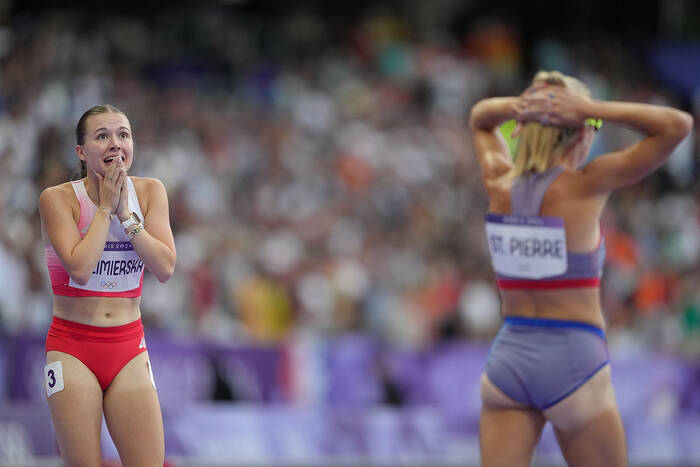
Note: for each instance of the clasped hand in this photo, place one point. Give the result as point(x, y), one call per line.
point(113, 190)
point(550, 105)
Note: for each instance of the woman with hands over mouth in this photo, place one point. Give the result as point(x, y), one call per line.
point(100, 233)
point(549, 361)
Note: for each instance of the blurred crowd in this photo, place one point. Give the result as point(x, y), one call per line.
point(321, 179)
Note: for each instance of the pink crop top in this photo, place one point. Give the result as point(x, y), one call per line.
point(118, 273)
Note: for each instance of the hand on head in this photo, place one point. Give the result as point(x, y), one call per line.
point(550, 105)
point(111, 184)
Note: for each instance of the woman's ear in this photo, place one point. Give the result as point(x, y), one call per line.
point(79, 151)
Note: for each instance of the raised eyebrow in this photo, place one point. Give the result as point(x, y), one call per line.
point(121, 128)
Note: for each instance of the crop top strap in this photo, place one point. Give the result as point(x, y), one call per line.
point(528, 191)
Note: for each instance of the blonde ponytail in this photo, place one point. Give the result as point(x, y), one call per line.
point(539, 145)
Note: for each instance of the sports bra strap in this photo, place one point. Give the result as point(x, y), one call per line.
point(528, 191)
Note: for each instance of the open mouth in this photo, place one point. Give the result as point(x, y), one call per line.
point(108, 160)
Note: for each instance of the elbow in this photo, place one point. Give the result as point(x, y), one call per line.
point(687, 123)
point(681, 124)
point(166, 273)
point(80, 278)
point(79, 274)
point(164, 276)
point(474, 114)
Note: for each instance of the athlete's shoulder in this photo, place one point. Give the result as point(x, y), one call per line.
point(148, 188)
point(65, 187)
point(146, 183)
point(62, 191)
point(58, 198)
point(575, 183)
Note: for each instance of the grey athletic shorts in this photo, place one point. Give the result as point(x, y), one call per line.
point(541, 361)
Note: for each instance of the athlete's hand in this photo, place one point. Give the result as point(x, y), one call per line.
point(526, 110)
point(110, 185)
point(123, 211)
point(554, 105)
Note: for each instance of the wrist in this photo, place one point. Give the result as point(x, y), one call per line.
point(106, 213)
point(491, 112)
point(515, 103)
point(130, 220)
point(506, 108)
point(133, 230)
point(588, 109)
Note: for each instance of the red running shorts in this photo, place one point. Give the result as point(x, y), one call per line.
point(104, 350)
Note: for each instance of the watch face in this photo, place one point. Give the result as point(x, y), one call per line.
point(133, 219)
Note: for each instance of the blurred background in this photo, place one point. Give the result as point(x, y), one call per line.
point(333, 300)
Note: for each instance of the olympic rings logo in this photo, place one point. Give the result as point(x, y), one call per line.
point(109, 285)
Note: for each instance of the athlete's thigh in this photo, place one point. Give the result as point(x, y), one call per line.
point(76, 409)
point(508, 430)
point(588, 426)
point(593, 397)
point(133, 416)
point(598, 443)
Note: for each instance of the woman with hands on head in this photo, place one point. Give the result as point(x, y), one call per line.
point(549, 361)
point(100, 233)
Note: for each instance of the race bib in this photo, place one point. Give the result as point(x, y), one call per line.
point(527, 247)
point(53, 377)
point(118, 270)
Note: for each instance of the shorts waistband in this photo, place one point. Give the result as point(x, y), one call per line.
point(87, 332)
point(530, 284)
point(553, 323)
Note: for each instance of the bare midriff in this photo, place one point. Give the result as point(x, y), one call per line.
point(97, 311)
point(579, 304)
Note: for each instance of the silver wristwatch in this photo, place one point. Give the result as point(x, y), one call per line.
point(133, 219)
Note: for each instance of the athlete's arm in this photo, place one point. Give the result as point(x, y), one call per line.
point(79, 256)
point(664, 128)
point(490, 147)
point(155, 244)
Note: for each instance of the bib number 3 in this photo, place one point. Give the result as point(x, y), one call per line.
point(53, 376)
